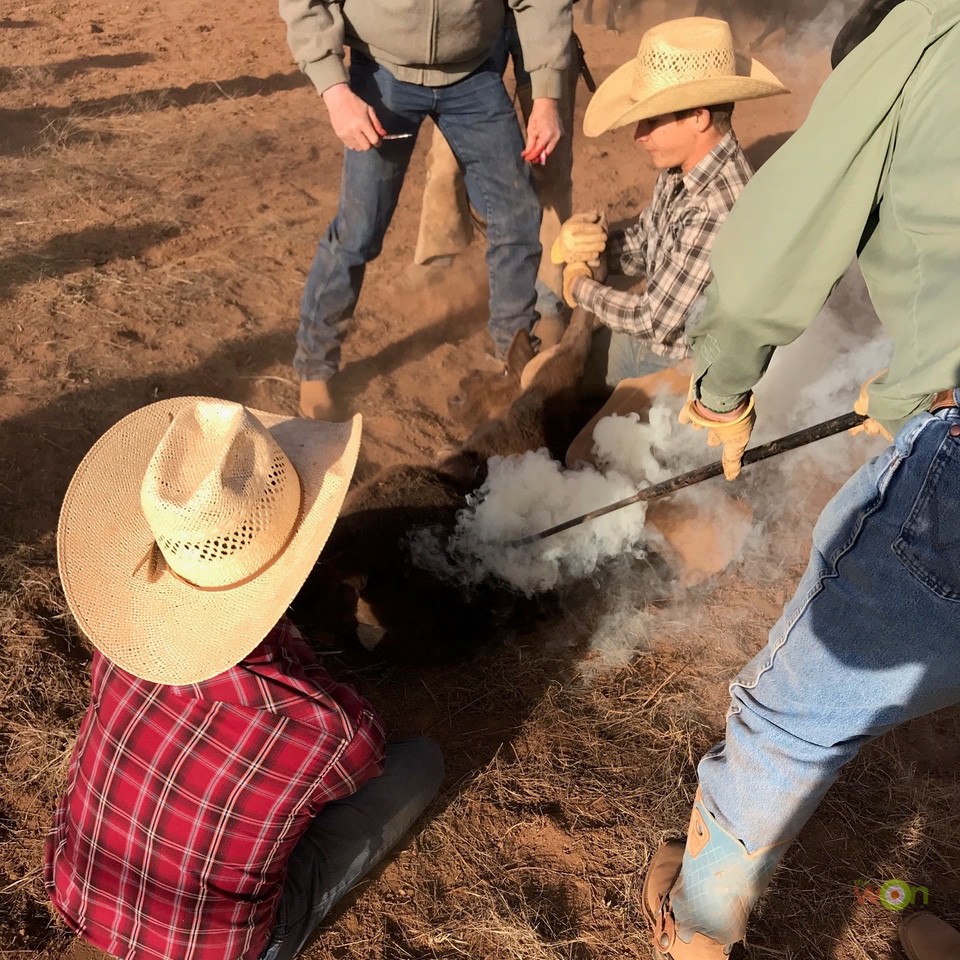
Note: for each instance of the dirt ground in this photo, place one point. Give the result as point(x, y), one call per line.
point(167, 173)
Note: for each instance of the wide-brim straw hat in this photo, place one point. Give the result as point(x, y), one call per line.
point(680, 64)
point(191, 525)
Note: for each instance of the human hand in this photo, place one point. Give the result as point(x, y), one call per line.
point(570, 273)
point(353, 120)
point(583, 237)
point(730, 430)
point(544, 130)
point(870, 427)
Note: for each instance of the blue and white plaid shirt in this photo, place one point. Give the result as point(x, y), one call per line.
point(669, 246)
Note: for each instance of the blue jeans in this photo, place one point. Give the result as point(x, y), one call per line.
point(348, 837)
point(868, 642)
point(479, 122)
point(631, 357)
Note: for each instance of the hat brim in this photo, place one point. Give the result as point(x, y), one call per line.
point(157, 626)
point(616, 105)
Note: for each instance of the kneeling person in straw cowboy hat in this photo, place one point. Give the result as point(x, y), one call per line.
point(679, 90)
point(224, 791)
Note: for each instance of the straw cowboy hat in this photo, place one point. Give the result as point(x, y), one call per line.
point(190, 526)
point(681, 64)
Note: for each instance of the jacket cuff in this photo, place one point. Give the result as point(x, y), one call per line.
point(546, 83)
point(719, 404)
point(327, 72)
point(588, 293)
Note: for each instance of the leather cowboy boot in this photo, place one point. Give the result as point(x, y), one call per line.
point(926, 937)
point(699, 895)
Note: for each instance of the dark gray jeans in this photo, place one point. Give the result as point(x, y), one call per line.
point(349, 837)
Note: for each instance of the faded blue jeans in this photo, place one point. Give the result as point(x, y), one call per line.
point(479, 122)
point(349, 837)
point(869, 641)
point(616, 356)
point(631, 357)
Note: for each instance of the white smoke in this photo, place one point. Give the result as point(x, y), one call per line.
point(707, 526)
point(816, 378)
point(526, 495)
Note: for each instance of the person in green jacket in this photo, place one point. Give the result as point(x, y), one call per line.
point(869, 640)
point(410, 61)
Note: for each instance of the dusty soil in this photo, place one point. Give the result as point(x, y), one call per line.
point(167, 174)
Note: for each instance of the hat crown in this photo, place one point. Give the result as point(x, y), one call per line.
point(219, 495)
point(683, 51)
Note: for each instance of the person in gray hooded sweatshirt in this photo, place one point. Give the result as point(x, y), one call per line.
point(410, 61)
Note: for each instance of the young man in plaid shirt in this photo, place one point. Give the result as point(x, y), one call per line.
point(679, 90)
point(224, 791)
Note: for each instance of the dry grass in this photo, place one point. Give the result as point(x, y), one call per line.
point(560, 785)
point(159, 248)
point(42, 696)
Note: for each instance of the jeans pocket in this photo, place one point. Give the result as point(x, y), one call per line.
point(929, 542)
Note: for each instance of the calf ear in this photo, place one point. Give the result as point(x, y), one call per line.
point(519, 353)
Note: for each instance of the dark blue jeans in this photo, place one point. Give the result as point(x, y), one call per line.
point(479, 122)
point(349, 837)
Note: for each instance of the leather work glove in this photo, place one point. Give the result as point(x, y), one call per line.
point(872, 428)
point(583, 237)
point(733, 434)
point(570, 273)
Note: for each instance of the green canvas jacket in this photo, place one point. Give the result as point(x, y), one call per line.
point(873, 172)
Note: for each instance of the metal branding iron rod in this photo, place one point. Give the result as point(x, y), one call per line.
point(772, 449)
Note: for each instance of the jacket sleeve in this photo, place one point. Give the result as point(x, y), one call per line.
point(798, 223)
point(315, 38)
point(545, 28)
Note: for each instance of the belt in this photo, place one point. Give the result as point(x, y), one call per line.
point(942, 400)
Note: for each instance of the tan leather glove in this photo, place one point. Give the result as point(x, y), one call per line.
point(872, 428)
point(583, 237)
point(733, 433)
point(570, 273)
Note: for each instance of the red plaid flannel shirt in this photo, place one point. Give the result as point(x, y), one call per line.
point(184, 802)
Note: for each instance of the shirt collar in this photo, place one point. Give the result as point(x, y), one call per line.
point(703, 173)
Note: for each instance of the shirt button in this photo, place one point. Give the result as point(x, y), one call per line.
point(955, 430)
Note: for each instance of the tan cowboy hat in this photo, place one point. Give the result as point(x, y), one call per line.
point(190, 526)
point(681, 64)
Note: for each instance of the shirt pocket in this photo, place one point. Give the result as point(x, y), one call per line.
point(929, 542)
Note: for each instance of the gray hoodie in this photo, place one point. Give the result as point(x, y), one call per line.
point(429, 42)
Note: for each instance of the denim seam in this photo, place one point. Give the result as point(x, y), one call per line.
point(830, 573)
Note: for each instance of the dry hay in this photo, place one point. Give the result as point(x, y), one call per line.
point(42, 696)
point(540, 853)
point(157, 243)
point(560, 784)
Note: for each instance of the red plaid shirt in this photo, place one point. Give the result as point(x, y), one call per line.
point(184, 802)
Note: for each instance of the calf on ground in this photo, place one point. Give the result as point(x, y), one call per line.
point(366, 585)
point(540, 403)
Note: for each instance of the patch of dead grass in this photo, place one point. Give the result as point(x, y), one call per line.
point(42, 696)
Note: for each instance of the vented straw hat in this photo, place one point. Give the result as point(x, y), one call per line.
point(190, 526)
point(681, 64)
